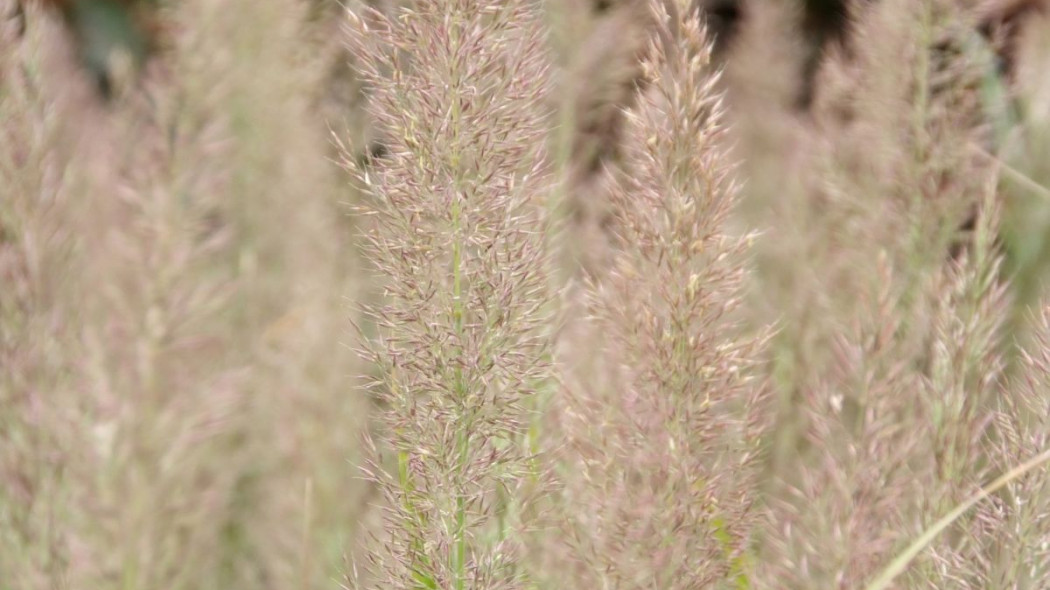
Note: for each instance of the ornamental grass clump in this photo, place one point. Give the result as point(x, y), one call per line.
point(455, 233)
point(661, 453)
point(893, 383)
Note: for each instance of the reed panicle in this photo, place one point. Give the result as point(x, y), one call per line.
point(456, 234)
point(662, 452)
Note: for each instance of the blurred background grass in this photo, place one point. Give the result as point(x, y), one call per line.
point(176, 404)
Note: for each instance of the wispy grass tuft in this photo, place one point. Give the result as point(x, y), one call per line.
point(662, 451)
point(895, 424)
point(455, 230)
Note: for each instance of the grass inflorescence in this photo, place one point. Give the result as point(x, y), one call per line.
point(472, 294)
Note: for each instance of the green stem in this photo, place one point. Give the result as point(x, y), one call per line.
point(459, 557)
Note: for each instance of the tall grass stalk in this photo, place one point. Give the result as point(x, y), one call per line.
point(661, 454)
point(456, 233)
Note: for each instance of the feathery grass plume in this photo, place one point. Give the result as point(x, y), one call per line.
point(121, 444)
point(989, 426)
point(661, 457)
point(295, 267)
point(910, 127)
point(172, 253)
point(1010, 541)
point(456, 231)
point(179, 285)
point(895, 421)
point(890, 168)
point(897, 430)
point(38, 266)
point(962, 384)
point(162, 394)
